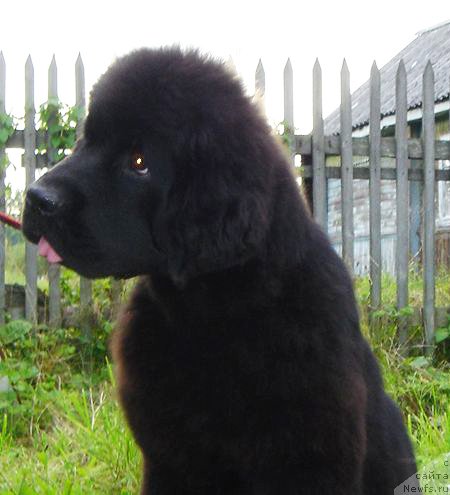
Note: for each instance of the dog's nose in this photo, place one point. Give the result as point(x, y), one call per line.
point(46, 201)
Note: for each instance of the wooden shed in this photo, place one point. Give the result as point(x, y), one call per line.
point(431, 44)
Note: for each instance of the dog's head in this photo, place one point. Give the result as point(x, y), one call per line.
point(172, 175)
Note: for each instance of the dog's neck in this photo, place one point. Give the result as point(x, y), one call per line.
point(212, 295)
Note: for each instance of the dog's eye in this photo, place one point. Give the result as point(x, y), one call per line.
point(138, 164)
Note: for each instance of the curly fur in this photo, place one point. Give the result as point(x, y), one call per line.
point(241, 366)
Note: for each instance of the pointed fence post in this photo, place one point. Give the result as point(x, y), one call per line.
point(402, 200)
point(3, 159)
point(346, 169)
point(428, 207)
point(318, 152)
point(54, 271)
point(30, 168)
point(85, 284)
point(375, 188)
point(260, 85)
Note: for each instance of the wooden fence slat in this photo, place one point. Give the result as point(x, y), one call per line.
point(346, 169)
point(2, 192)
point(363, 173)
point(375, 188)
point(303, 146)
point(260, 80)
point(288, 97)
point(318, 152)
point(415, 196)
point(428, 206)
point(80, 92)
point(402, 199)
point(360, 147)
point(260, 85)
point(54, 271)
point(30, 168)
point(288, 80)
point(85, 284)
point(53, 80)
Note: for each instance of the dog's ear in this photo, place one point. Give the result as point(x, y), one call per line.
point(221, 219)
point(223, 188)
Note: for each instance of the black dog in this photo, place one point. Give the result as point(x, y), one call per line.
point(242, 369)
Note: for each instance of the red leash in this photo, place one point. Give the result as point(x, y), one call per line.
point(15, 224)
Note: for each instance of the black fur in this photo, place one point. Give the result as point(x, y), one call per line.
point(241, 366)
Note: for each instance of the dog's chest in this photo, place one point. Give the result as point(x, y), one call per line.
point(204, 382)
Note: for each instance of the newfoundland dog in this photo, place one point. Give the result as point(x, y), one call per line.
point(241, 366)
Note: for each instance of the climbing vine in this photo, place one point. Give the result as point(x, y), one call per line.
point(58, 121)
point(286, 134)
point(7, 128)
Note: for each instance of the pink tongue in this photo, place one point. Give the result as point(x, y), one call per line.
point(44, 249)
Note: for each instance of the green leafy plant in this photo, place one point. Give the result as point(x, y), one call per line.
point(35, 363)
point(286, 133)
point(59, 122)
point(7, 128)
point(441, 334)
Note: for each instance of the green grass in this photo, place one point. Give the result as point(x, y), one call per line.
point(415, 288)
point(62, 432)
point(87, 451)
point(419, 385)
point(422, 390)
point(88, 448)
point(15, 273)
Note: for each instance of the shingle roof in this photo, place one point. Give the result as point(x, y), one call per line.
point(432, 44)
